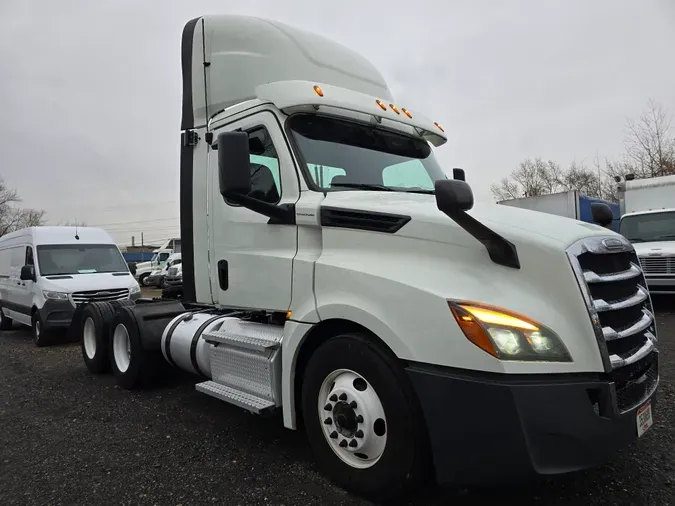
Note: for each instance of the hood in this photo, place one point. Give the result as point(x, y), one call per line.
point(656, 248)
point(511, 222)
point(83, 282)
point(143, 265)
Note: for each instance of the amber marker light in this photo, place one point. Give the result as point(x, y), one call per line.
point(394, 108)
point(381, 104)
point(318, 90)
point(406, 112)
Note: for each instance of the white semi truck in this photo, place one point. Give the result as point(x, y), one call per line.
point(334, 273)
point(648, 221)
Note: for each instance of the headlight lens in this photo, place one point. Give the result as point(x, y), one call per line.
point(54, 295)
point(134, 289)
point(507, 335)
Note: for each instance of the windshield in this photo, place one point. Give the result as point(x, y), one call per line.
point(80, 259)
point(649, 227)
point(340, 155)
point(154, 258)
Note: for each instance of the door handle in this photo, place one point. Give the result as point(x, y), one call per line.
point(223, 280)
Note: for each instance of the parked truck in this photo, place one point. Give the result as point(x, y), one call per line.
point(144, 270)
point(334, 273)
point(571, 204)
point(648, 221)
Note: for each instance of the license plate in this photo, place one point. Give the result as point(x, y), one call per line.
point(644, 418)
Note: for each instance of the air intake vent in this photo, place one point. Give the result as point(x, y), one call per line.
point(362, 220)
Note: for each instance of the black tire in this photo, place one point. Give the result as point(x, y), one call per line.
point(5, 321)
point(405, 462)
point(142, 278)
point(95, 347)
point(41, 336)
point(143, 365)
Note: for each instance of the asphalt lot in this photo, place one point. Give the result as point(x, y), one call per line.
point(68, 437)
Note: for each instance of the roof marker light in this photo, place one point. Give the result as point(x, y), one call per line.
point(406, 112)
point(393, 108)
point(318, 90)
point(381, 104)
point(439, 126)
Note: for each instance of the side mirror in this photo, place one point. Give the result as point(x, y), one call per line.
point(27, 273)
point(234, 173)
point(453, 196)
point(458, 174)
point(601, 213)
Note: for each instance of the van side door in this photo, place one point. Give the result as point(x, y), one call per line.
point(26, 288)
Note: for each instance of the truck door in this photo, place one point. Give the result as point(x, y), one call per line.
point(250, 260)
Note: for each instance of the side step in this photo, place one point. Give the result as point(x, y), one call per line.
point(245, 364)
point(247, 401)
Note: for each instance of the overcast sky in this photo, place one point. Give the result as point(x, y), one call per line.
point(90, 90)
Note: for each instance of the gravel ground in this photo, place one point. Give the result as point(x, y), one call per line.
point(68, 437)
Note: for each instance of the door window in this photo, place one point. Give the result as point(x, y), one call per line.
point(264, 166)
point(29, 256)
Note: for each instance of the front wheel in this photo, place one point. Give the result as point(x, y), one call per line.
point(143, 279)
point(363, 420)
point(40, 334)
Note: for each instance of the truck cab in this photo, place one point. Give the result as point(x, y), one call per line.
point(648, 222)
point(333, 271)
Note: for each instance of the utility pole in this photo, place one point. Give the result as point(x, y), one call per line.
point(142, 243)
point(133, 241)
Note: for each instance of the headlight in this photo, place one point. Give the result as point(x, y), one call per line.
point(134, 289)
point(507, 335)
point(54, 295)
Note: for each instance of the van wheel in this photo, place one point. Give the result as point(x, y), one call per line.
point(40, 335)
point(142, 278)
point(363, 419)
point(96, 319)
point(5, 321)
point(132, 365)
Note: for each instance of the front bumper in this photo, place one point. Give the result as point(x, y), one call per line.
point(56, 314)
point(660, 284)
point(497, 428)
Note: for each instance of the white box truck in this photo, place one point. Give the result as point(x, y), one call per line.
point(333, 273)
point(46, 273)
point(648, 221)
point(571, 204)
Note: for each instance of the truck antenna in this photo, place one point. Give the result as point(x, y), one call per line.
point(77, 237)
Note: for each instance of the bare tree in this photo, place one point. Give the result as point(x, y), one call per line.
point(650, 144)
point(73, 223)
point(12, 217)
point(536, 177)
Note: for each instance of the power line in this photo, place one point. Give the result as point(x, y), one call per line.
point(135, 222)
point(124, 206)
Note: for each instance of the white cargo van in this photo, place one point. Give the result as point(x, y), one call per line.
point(47, 272)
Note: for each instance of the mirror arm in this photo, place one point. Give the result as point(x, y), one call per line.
point(501, 251)
point(283, 214)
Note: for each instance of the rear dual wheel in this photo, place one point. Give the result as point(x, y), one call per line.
point(363, 419)
point(97, 318)
point(132, 365)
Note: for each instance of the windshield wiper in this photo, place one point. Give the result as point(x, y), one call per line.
point(365, 186)
point(663, 237)
point(379, 187)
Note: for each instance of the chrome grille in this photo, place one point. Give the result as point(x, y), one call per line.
point(172, 271)
point(614, 288)
point(100, 295)
point(658, 265)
